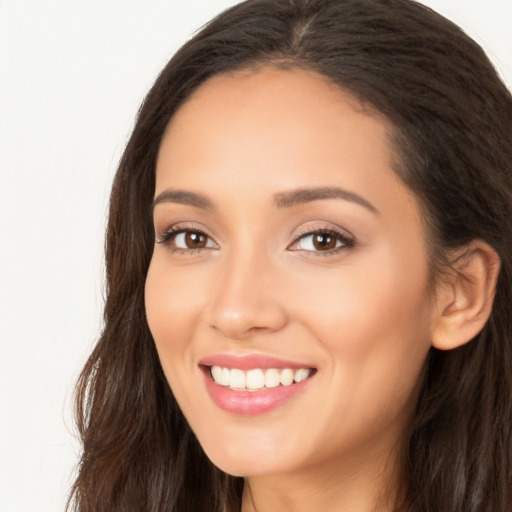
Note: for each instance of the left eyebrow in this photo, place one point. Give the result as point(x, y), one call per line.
point(307, 195)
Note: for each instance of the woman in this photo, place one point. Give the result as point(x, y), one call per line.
point(309, 274)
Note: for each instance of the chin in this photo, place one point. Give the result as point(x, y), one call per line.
point(248, 466)
point(249, 458)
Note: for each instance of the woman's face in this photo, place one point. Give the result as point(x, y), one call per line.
point(287, 248)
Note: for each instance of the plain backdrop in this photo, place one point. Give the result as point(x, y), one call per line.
point(72, 75)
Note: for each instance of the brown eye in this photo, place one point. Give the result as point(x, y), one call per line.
point(195, 240)
point(188, 240)
point(324, 242)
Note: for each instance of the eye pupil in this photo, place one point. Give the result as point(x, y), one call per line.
point(324, 242)
point(195, 240)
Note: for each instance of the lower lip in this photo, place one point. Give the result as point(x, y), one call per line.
point(251, 402)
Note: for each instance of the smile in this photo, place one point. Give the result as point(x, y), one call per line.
point(253, 385)
point(258, 378)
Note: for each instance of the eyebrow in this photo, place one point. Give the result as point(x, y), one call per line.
point(183, 197)
point(281, 199)
point(307, 195)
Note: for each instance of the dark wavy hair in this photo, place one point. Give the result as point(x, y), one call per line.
point(452, 140)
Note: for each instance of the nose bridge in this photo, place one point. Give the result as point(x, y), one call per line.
point(245, 301)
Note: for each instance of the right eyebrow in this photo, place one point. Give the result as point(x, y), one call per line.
point(183, 197)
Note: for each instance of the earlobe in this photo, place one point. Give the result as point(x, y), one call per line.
point(465, 298)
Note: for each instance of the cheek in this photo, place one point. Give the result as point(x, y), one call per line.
point(173, 304)
point(374, 323)
point(381, 296)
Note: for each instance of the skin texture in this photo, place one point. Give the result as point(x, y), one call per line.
point(362, 314)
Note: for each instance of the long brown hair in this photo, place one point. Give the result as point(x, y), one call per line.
point(453, 144)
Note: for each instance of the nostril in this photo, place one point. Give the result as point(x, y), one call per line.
point(248, 320)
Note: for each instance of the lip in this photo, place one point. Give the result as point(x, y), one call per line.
point(250, 362)
point(251, 402)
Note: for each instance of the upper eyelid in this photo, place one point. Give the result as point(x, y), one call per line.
point(326, 228)
point(178, 227)
point(348, 240)
point(335, 234)
point(168, 237)
point(165, 234)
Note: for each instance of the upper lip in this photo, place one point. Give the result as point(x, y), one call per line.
point(249, 362)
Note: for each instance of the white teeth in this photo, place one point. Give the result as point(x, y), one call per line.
point(301, 375)
point(217, 373)
point(225, 379)
point(272, 378)
point(257, 378)
point(237, 379)
point(286, 377)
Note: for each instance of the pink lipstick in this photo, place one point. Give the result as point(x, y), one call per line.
point(253, 384)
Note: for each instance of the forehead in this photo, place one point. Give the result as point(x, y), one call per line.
point(264, 85)
point(271, 119)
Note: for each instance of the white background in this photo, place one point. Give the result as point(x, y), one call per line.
point(72, 75)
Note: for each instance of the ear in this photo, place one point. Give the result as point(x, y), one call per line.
point(465, 296)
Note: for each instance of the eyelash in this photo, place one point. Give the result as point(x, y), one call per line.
point(347, 242)
point(171, 233)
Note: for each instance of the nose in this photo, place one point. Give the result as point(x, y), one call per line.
point(247, 299)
